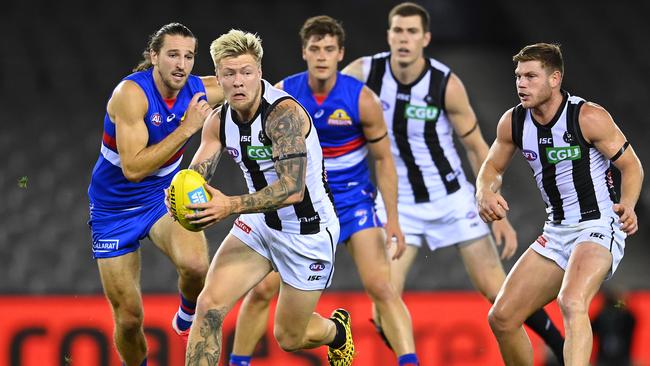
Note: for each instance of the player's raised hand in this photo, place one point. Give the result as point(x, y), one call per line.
point(627, 218)
point(197, 112)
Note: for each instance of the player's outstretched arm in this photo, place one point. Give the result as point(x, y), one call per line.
point(376, 134)
point(600, 130)
point(127, 108)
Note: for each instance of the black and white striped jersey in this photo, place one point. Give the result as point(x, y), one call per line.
point(250, 147)
point(428, 165)
point(575, 179)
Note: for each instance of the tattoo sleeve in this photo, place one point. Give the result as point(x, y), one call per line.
point(208, 166)
point(208, 347)
point(284, 127)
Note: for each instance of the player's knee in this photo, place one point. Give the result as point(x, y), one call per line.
point(128, 318)
point(263, 292)
point(207, 303)
point(571, 305)
point(287, 340)
point(194, 270)
point(500, 321)
point(381, 290)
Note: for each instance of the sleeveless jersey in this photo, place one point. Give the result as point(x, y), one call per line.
point(109, 188)
point(340, 134)
point(576, 181)
point(428, 165)
point(250, 147)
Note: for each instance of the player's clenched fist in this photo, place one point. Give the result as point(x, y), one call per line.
point(197, 112)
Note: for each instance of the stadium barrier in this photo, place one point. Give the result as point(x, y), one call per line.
point(450, 329)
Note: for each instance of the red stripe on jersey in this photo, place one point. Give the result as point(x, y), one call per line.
point(109, 141)
point(175, 157)
point(334, 151)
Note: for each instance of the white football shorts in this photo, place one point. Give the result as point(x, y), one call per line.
point(449, 220)
point(304, 261)
point(558, 241)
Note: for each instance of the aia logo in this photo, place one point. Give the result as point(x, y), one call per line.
point(530, 155)
point(317, 266)
point(156, 119)
point(542, 240)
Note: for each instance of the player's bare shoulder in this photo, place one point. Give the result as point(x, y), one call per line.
point(128, 99)
point(595, 122)
point(355, 69)
point(286, 125)
point(504, 127)
point(286, 117)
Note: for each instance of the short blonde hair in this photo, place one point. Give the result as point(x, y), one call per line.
point(236, 43)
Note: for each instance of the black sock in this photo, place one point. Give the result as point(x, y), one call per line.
point(544, 327)
point(339, 338)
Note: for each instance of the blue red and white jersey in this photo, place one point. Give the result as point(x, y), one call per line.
point(341, 135)
point(109, 188)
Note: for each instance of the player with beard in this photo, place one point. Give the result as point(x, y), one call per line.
point(149, 119)
point(574, 148)
point(349, 121)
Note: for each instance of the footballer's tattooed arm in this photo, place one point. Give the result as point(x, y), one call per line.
point(208, 166)
point(207, 156)
point(207, 349)
point(284, 126)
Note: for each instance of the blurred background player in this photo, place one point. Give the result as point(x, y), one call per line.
point(287, 220)
point(349, 121)
point(571, 146)
point(424, 103)
point(150, 117)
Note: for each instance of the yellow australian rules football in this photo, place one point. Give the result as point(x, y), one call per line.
point(187, 188)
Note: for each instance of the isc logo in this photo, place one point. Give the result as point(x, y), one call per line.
point(314, 277)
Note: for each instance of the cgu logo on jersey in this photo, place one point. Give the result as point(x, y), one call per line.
point(428, 113)
point(259, 152)
point(555, 155)
point(339, 118)
point(156, 119)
